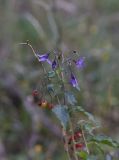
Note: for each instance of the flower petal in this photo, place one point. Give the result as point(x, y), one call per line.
point(73, 80)
point(80, 62)
point(43, 57)
point(49, 61)
point(54, 64)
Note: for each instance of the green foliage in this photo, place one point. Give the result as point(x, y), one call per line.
point(101, 139)
point(51, 74)
point(61, 113)
point(83, 111)
point(50, 87)
point(70, 98)
point(89, 127)
point(96, 146)
point(83, 155)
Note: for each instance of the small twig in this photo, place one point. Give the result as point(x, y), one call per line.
point(28, 44)
point(45, 71)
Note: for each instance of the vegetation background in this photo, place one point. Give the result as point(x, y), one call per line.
point(89, 26)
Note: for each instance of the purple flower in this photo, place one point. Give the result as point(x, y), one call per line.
point(49, 61)
point(54, 64)
point(73, 81)
point(80, 62)
point(44, 57)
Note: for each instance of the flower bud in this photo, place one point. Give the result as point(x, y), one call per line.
point(44, 104)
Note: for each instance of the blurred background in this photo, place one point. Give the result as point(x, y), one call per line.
point(89, 26)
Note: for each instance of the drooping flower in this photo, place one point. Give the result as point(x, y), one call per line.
point(73, 81)
point(44, 57)
point(54, 64)
point(80, 62)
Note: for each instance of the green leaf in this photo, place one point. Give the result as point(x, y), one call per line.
point(77, 87)
point(88, 127)
point(96, 146)
point(59, 70)
point(61, 113)
point(51, 74)
point(70, 98)
point(80, 109)
point(82, 154)
point(50, 87)
point(105, 140)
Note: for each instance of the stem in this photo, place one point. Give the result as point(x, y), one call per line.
point(58, 100)
point(66, 141)
point(85, 141)
point(63, 131)
point(70, 123)
point(72, 133)
point(62, 78)
point(45, 72)
point(28, 44)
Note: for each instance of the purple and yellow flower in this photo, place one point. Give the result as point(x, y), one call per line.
point(44, 57)
point(80, 62)
point(73, 81)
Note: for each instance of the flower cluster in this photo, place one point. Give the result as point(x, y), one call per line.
point(79, 63)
